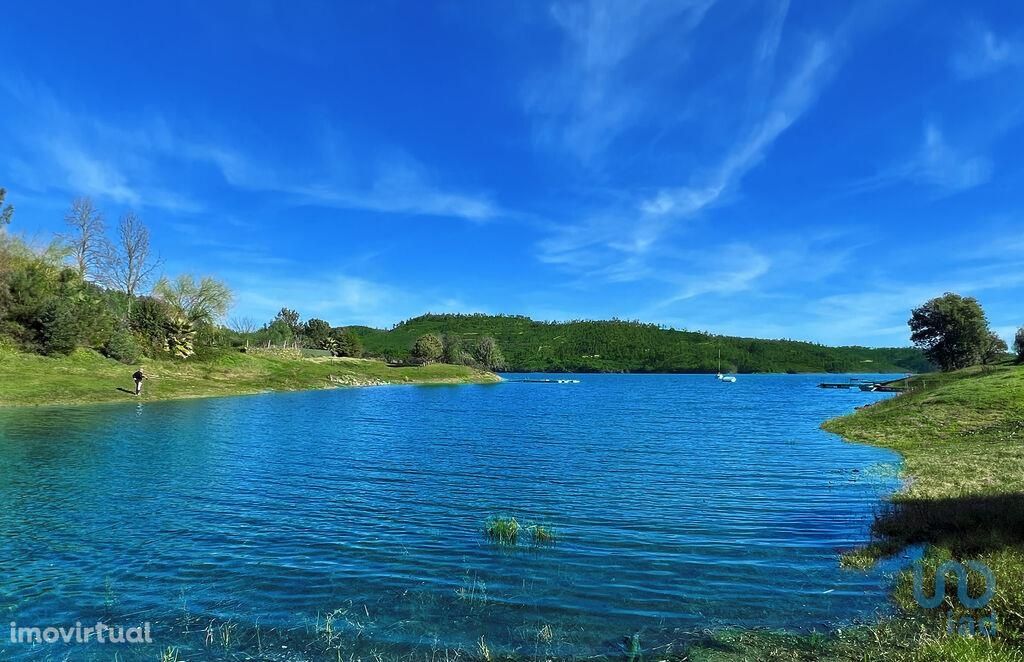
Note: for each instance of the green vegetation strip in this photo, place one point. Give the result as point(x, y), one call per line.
point(623, 346)
point(85, 376)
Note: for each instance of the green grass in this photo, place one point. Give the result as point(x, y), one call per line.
point(87, 377)
point(503, 530)
point(541, 534)
point(506, 530)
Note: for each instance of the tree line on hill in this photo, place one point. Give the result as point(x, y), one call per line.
point(629, 346)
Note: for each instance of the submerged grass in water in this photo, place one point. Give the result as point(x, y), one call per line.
point(542, 535)
point(506, 530)
point(503, 530)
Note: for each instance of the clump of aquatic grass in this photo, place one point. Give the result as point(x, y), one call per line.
point(328, 627)
point(485, 651)
point(169, 655)
point(506, 531)
point(542, 535)
point(227, 632)
point(861, 558)
point(472, 590)
point(633, 648)
point(503, 530)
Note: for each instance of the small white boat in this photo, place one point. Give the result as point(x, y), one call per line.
point(721, 377)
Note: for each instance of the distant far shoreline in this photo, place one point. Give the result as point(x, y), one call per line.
point(618, 346)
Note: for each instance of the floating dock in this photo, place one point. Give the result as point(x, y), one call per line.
point(866, 385)
point(544, 381)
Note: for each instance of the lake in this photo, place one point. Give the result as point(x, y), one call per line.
point(297, 525)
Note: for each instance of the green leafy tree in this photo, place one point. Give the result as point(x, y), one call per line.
point(427, 348)
point(58, 327)
point(6, 212)
point(317, 333)
point(278, 332)
point(346, 343)
point(453, 351)
point(149, 320)
point(488, 354)
point(291, 318)
point(951, 329)
point(123, 346)
point(994, 349)
point(203, 303)
point(1018, 344)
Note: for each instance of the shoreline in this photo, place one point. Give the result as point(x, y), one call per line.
point(959, 437)
point(85, 377)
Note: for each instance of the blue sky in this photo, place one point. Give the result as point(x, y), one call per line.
point(797, 170)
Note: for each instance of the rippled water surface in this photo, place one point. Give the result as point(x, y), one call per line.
point(292, 526)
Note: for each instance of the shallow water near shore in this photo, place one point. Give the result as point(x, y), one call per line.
point(308, 525)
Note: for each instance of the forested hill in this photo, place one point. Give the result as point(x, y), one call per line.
point(619, 346)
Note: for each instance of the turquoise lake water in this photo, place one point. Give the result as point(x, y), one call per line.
point(293, 526)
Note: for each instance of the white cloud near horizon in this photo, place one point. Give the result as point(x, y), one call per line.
point(339, 298)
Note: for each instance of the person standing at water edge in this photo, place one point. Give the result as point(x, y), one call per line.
point(138, 377)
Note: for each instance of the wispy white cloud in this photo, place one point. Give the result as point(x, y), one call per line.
point(726, 270)
point(400, 185)
point(139, 163)
point(792, 101)
point(941, 165)
point(593, 94)
point(625, 241)
point(55, 149)
point(395, 183)
point(982, 52)
point(936, 164)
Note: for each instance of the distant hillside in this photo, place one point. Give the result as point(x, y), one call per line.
point(619, 346)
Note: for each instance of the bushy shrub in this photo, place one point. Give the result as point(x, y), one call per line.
point(427, 349)
point(149, 320)
point(123, 346)
point(346, 343)
point(489, 355)
point(58, 328)
point(452, 350)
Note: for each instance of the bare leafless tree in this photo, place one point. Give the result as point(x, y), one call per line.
point(243, 325)
point(130, 264)
point(88, 244)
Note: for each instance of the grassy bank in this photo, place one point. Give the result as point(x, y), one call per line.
point(962, 439)
point(85, 376)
